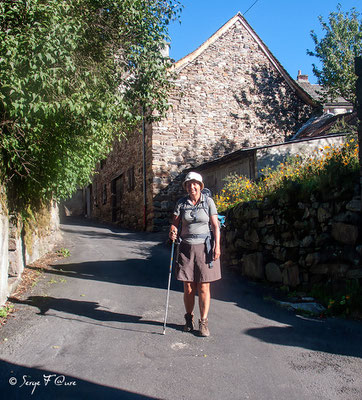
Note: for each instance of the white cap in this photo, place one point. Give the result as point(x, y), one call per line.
point(193, 176)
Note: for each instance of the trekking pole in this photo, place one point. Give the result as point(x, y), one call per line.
point(168, 288)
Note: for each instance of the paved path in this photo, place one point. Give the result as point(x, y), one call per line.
point(93, 328)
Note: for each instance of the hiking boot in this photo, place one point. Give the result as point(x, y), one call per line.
point(203, 327)
point(189, 325)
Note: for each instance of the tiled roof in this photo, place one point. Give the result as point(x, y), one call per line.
point(316, 91)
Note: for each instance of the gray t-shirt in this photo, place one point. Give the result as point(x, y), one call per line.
point(195, 220)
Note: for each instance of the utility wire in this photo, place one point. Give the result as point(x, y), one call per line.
point(251, 6)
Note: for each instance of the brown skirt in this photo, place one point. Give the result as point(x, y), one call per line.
point(191, 264)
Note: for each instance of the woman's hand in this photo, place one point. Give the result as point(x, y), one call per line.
point(173, 233)
point(173, 228)
point(217, 252)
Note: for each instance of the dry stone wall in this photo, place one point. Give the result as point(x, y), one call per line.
point(23, 243)
point(296, 242)
point(41, 233)
point(4, 261)
point(16, 248)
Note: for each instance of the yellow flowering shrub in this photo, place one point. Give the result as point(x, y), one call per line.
point(327, 166)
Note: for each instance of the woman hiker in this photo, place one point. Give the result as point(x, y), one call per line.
point(198, 261)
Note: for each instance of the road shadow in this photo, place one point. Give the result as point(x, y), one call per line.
point(147, 272)
point(88, 309)
point(22, 382)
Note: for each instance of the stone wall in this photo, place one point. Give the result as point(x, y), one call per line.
point(16, 249)
point(41, 233)
point(4, 261)
point(296, 243)
point(23, 243)
point(274, 155)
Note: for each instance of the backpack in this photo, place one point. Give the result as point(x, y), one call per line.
point(221, 218)
point(207, 193)
point(210, 238)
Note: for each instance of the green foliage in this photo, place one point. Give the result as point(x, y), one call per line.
point(343, 299)
point(331, 167)
point(342, 126)
point(63, 252)
point(5, 311)
point(74, 74)
point(336, 51)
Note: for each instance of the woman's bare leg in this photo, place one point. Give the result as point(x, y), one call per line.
point(203, 289)
point(189, 296)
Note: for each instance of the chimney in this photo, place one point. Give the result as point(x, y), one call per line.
point(302, 78)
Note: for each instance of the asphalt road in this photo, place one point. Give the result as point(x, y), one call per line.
point(92, 329)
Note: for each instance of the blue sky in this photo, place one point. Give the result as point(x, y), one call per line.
point(283, 25)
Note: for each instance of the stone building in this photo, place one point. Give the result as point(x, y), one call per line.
point(230, 93)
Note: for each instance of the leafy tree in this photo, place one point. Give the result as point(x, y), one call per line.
point(73, 74)
point(336, 51)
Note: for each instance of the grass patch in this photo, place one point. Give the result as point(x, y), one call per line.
point(63, 252)
point(6, 310)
